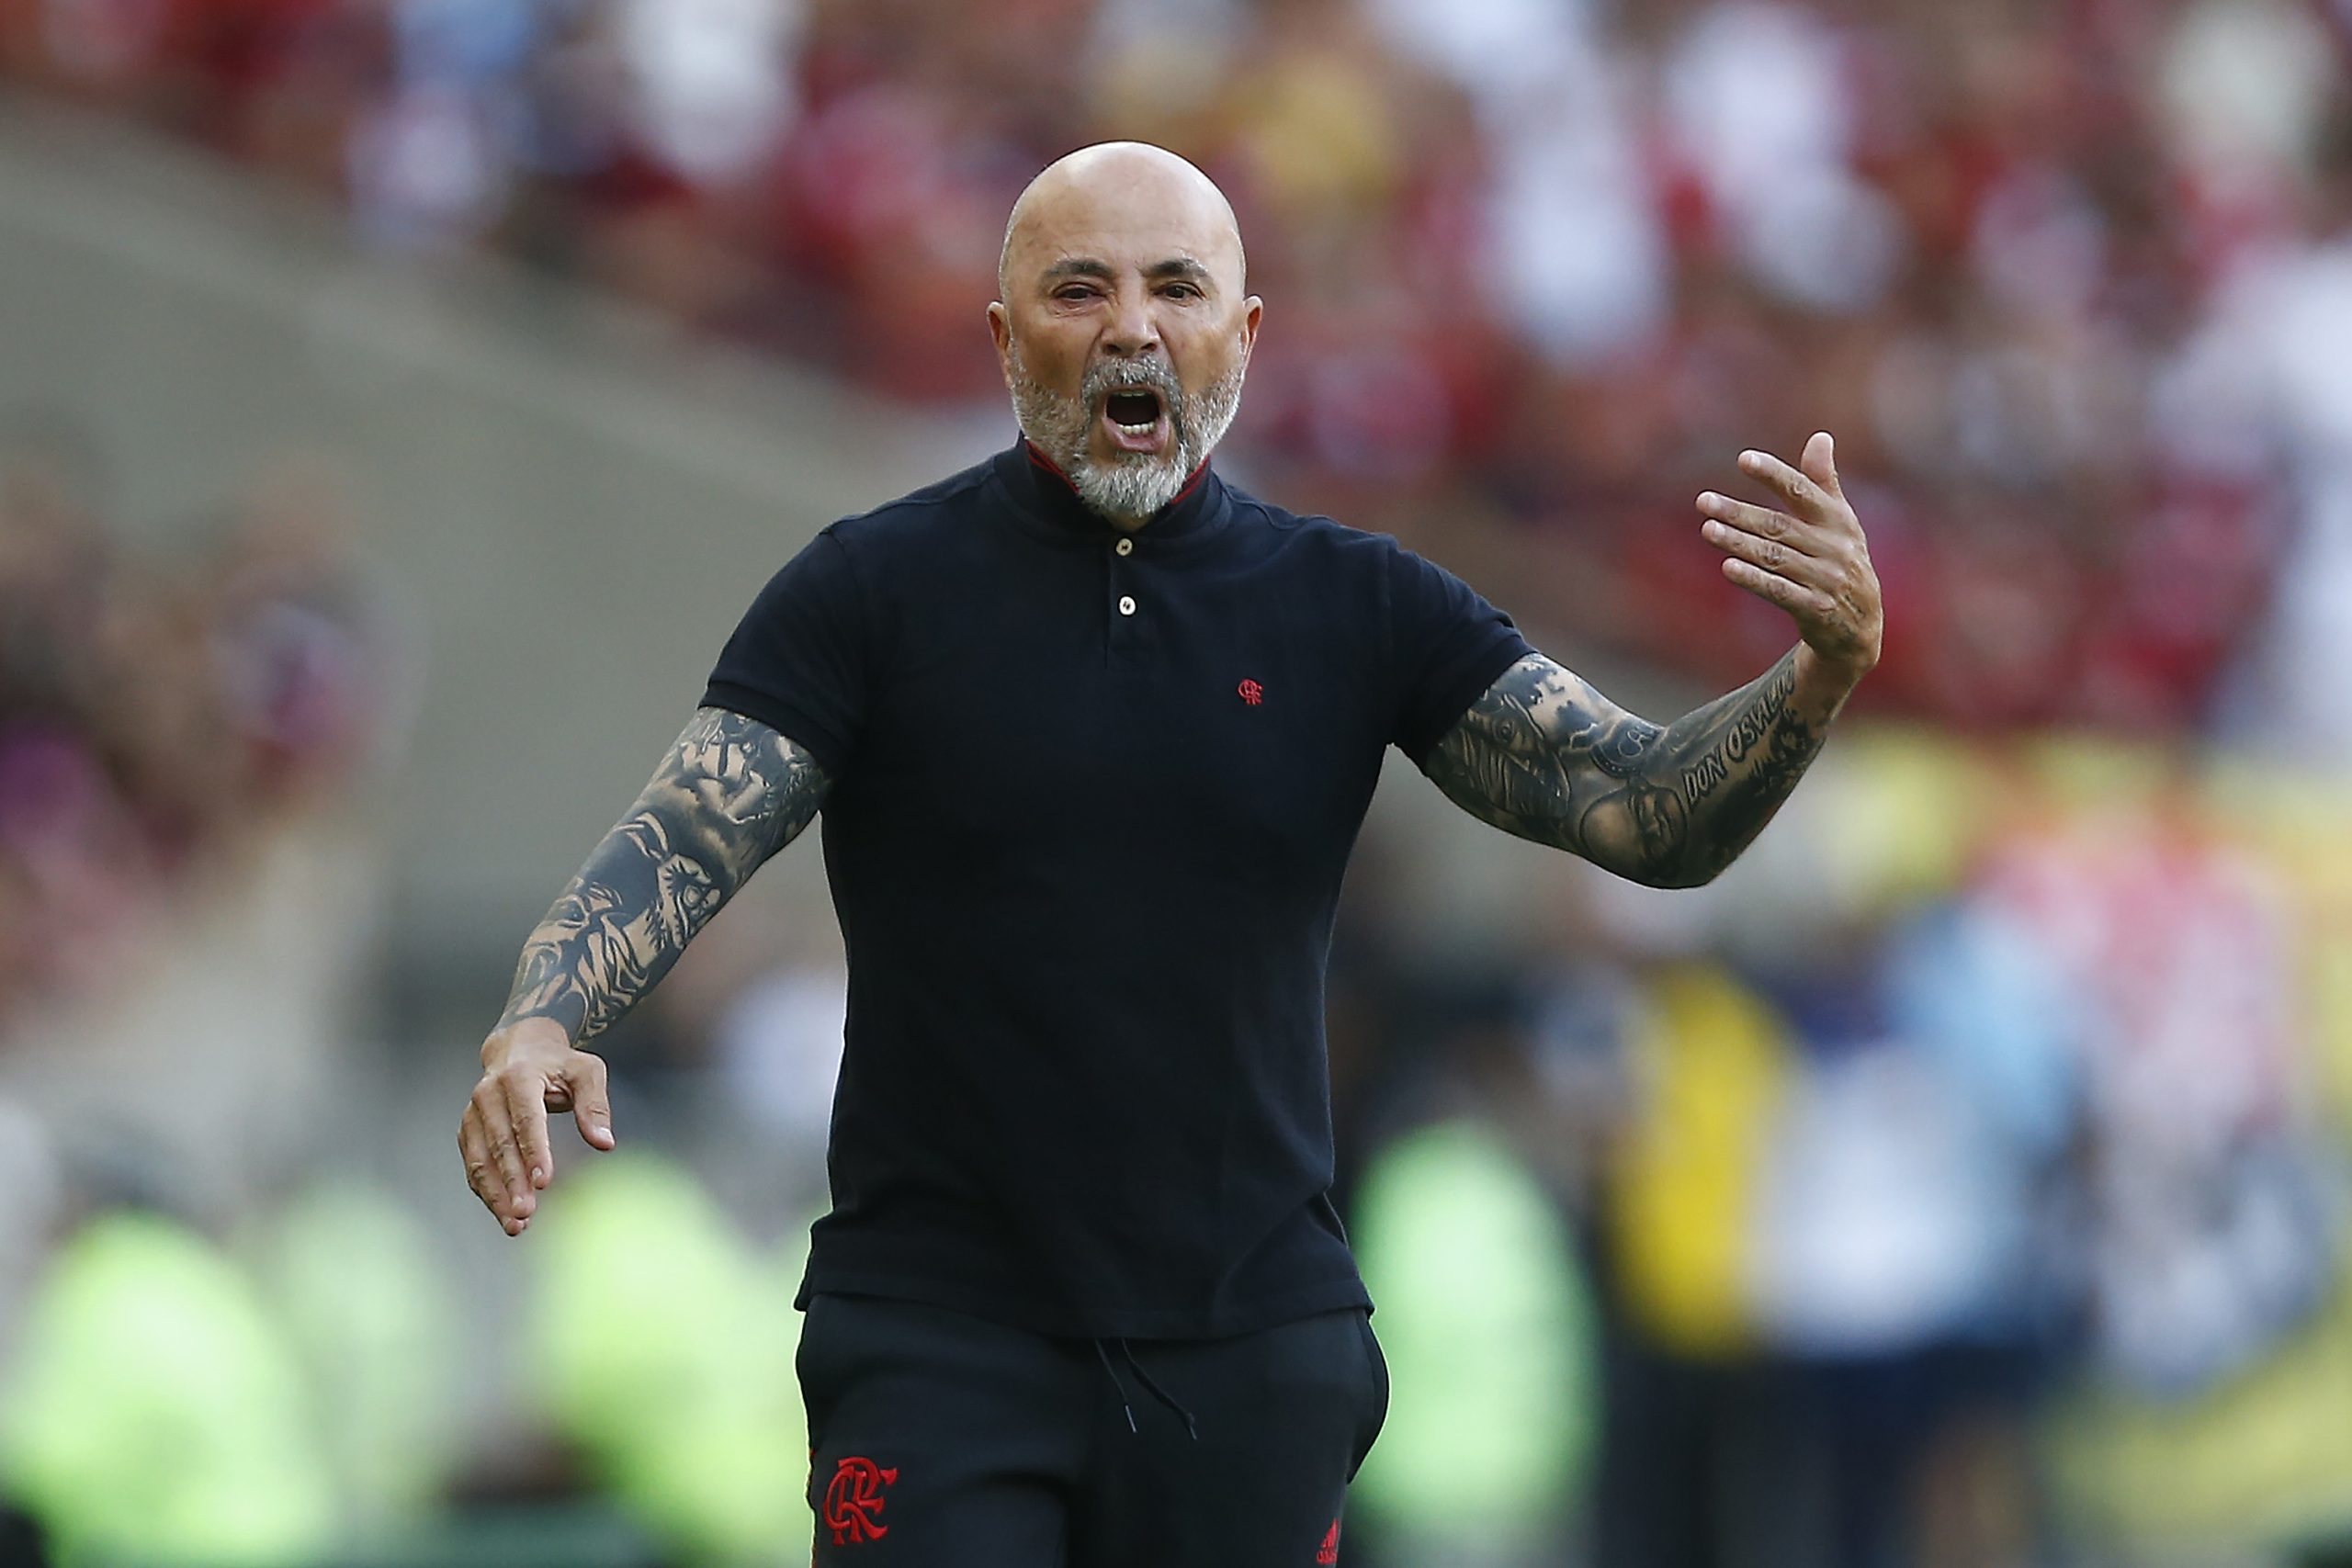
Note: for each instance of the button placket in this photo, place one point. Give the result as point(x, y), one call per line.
point(1124, 548)
point(1126, 625)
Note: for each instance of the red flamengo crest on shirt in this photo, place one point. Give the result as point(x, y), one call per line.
point(853, 1501)
point(1251, 693)
point(1329, 1553)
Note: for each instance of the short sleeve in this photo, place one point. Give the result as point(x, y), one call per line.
point(1447, 646)
point(798, 661)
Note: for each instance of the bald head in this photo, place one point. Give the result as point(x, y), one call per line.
point(1120, 188)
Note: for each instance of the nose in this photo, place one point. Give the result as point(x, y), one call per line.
point(1131, 331)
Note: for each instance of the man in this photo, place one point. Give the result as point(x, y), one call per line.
point(1093, 733)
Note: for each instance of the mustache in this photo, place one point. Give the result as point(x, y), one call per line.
point(1107, 376)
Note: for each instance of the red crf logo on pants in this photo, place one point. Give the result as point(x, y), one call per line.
point(853, 1501)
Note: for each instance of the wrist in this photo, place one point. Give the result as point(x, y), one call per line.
point(1824, 681)
point(531, 1032)
point(1848, 668)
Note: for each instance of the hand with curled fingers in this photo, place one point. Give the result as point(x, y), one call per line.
point(1810, 559)
point(529, 1067)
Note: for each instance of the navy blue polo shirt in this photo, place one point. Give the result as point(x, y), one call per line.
point(1092, 798)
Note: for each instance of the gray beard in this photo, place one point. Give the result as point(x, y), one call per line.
point(1131, 484)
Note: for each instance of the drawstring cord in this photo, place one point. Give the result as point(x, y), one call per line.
point(1192, 1428)
point(1113, 1372)
point(1159, 1393)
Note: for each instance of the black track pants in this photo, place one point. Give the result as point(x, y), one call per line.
point(942, 1440)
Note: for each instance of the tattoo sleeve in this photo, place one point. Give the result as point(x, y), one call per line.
point(1544, 756)
point(730, 793)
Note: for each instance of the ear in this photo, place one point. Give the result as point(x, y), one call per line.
point(1000, 328)
point(1253, 310)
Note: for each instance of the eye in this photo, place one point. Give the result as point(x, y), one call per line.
point(1181, 291)
point(1074, 292)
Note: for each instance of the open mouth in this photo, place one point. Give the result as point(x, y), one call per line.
point(1134, 419)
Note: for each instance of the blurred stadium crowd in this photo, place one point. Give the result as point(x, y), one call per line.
point(2051, 270)
point(158, 714)
point(1957, 1182)
point(173, 722)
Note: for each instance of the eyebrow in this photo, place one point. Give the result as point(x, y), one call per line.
point(1185, 268)
point(1180, 266)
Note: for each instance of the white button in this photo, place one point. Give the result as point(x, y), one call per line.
point(1126, 547)
point(1127, 605)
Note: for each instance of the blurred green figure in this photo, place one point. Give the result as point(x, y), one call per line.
point(667, 1344)
point(159, 1416)
point(171, 1408)
point(1488, 1326)
point(367, 1310)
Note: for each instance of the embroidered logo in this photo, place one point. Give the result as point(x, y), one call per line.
point(853, 1501)
point(1329, 1551)
point(1251, 693)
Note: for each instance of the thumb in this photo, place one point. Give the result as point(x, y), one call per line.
point(1820, 462)
point(592, 1105)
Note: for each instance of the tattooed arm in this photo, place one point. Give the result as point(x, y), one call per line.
point(1544, 756)
point(730, 793)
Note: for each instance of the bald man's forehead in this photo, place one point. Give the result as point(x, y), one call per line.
point(1128, 212)
point(1038, 253)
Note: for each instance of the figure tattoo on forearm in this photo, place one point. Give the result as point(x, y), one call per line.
point(730, 793)
point(1544, 756)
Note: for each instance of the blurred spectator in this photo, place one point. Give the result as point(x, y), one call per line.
point(2207, 1226)
point(157, 1415)
point(154, 723)
point(666, 1343)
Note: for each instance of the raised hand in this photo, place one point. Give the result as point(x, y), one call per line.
point(1810, 559)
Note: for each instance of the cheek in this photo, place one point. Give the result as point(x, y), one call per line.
point(1206, 361)
point(1054, 353)
point(1057, 374)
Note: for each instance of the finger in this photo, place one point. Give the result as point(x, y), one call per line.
point(526, 1107)
point(1820, 462)
point(592, 1105)
point(498, 1128)
point(1761, 521)
point(482, 1174)
point(1800, 492)
point(1774, 589)
point(1774, 556)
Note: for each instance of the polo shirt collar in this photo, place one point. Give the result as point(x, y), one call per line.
point(1043, 491)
